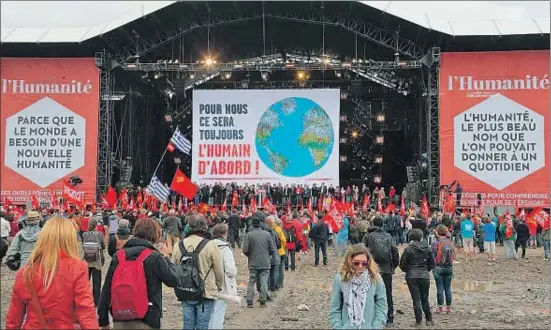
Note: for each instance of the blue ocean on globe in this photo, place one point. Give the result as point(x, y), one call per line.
point(294, 137)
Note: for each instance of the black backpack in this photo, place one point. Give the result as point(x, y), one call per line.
point(190, 284)
point(290, 235)
point(380, 247)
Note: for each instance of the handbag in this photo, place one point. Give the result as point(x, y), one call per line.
point(36, 305)
point(38, 309)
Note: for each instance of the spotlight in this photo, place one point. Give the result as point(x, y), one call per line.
point(377, 179)
point(355, 134)
point(380, 139)
point(158, 75)
point(343, 158)
point(379, 160)
point(338, 74)
point(343, 140)
point(209, 61)
point(380, 118)
point(301, 75)
point(264, 75)
point(168, 118)
point(227, 75)
point(344, 118)
point(192, 75)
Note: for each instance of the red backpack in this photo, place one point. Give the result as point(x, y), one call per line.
point(129, 300)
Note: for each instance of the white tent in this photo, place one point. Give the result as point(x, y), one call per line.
point(77, 21)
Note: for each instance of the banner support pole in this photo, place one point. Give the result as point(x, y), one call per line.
point(160, 161)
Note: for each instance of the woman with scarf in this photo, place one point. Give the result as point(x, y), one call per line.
point(359, 295)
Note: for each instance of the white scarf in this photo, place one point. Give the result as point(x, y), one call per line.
point(354, 294)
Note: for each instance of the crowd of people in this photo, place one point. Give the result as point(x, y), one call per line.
point(192, 251)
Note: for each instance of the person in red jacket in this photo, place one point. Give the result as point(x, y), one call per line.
point(293, 235)
point(53, 291)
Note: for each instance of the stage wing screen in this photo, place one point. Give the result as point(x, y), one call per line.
point(259, 136)
point(494, 127)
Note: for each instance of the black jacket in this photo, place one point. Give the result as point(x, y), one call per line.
point(523, 233)
point(158, 270)
point(319, 232)
point(234, 222)
point(417, 261)
point(419, 224)
point(390, 262)
point(112, 244)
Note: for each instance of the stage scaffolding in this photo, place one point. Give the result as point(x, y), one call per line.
point(106, 113)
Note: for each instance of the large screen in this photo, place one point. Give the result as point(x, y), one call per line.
point(266, 136)
point(49, 126)
point(494, 126)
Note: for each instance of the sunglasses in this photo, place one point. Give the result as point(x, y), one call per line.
point(360, 263)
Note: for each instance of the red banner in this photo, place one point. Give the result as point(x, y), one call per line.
point(71, 195)
point(539, 216)
point(494, 126)
point(49, 125)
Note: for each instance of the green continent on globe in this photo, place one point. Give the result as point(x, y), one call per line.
point(317, 134)
point(269, 122)
point(294, 137)
point(279, 161)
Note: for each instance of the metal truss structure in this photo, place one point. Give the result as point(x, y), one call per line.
point(433, 122)
point(106, 106)
point(362, 29)
point(203, 71)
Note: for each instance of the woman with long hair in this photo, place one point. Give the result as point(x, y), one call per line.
point(359, 295)
point(55, 273)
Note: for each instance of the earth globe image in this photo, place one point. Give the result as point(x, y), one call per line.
point(294, 137)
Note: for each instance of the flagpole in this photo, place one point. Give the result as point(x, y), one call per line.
point(160, 161)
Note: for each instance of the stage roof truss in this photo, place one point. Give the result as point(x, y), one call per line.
point(201, 72)
point(364, 30)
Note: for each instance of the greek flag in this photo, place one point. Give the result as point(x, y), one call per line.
point(158, 189)
point(181, 142)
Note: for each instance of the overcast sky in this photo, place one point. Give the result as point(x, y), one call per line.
point(86, 13)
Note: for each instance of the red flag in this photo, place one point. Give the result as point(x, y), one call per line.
point(235, 199)
point(132, 205)
point(7, 202)
point(379, 205)
point(34, 202)
point(183, 185)
point(224, 206)
point(71, 195)
point(54, 201)
point(425, 210)
point(245, 213)
point(123, 198)
point(320, 204)
point(365, 203)
point(139, 198)
point(170, 147)
point(104, 202)
point(541, 217)
point(253, 205)
point(111, 197)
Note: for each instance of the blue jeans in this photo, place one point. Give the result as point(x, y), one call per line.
point(340, 243)
point(197, 314)
point(546, 248)
point(443, 279)
point(217, 318)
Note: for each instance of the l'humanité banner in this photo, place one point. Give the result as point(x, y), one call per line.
point(494, 126)
point(49, 126)
point(260, 136)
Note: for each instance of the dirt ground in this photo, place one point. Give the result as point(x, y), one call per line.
point(505, 294)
